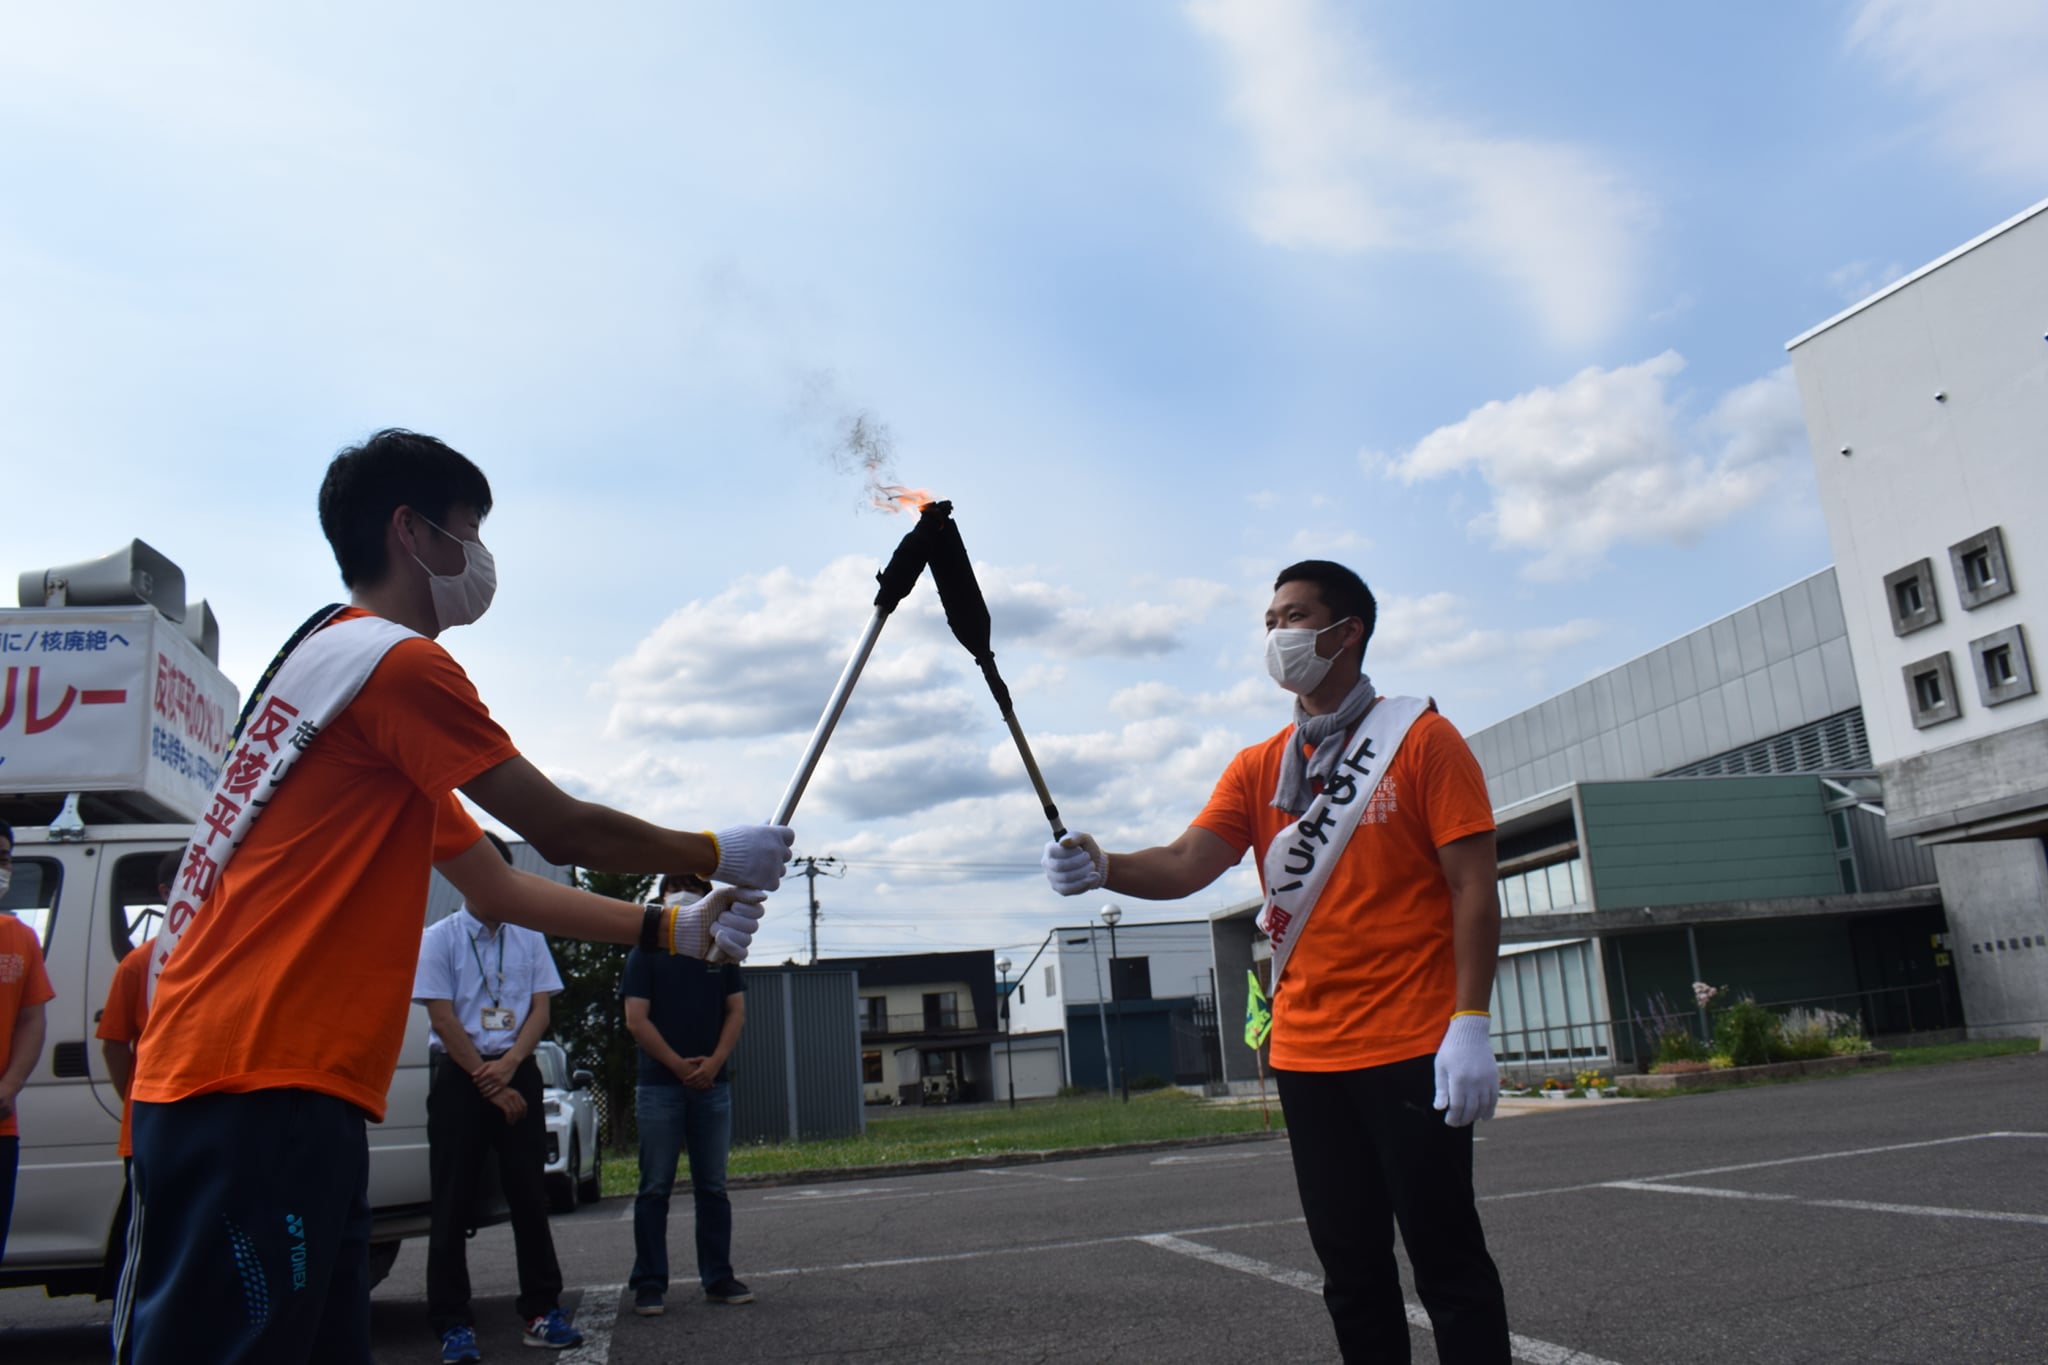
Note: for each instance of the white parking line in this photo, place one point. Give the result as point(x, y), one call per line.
point(1837, 1156)
point(1707, 1190)
point(1212, 1156)
point(1025, 1250)
point(1037, 1175)
point(595, 1318)
point(1523, 1348)
point(1930, 1211)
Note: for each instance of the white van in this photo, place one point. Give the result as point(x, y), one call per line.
point(89, 897)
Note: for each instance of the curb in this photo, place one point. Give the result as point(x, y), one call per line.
point(990, 1161)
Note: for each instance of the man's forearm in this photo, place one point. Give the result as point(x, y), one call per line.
point(119, 1055)
point(530, 1032)
point(1153, 874)
point(26, 1050)
point(653, 1044)
point(728, 1037)
point(563, 911)
point(1475, 943)
point(454, 1038)
point(606, 840)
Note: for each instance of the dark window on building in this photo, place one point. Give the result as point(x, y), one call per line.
point(942, 1010)
point(2003, 670)
point(1051, 983)
point(871, 1068)
point(874, 1016)
point(1909, 595)
point(1130, 978)
point(1931, 691)
point(1982, 574)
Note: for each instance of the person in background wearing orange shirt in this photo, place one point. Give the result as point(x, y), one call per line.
point(285, 965)
point(1380, 1000)
point(121, 1021)
point(24, 990)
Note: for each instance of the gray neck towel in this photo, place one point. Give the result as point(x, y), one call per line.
point(1293, 792)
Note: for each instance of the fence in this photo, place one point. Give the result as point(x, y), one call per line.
point(1593, 1043)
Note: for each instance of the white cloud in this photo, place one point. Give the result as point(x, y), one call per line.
point(1858, 280)
point(1609, 456)
point(1983, 67)
point(1433, 637)
point(1352, 163)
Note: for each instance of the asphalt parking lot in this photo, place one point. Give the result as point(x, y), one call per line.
point(1880, 1219)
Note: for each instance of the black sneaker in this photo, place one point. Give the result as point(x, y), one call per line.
point(647, 1303)
point(729, 1290)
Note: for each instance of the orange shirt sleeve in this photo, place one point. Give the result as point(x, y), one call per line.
point(1228, 815)
point(1454, 797)
point(422, 714)
point(127, 996)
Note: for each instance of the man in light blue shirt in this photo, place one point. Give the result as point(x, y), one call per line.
point(486, 989)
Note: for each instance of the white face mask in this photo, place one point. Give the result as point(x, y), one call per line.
point(6, 879)
point(1292, 659)
point(460, 598)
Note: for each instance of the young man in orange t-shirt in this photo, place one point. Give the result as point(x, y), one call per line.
point(278, 1016)
point(24, 990)
point(120, 1028)
point(1380, 1014)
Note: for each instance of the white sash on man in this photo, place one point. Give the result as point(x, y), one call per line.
point(1299, 860)
point(311, 687)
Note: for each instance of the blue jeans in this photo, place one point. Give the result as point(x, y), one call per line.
point(674, 1118)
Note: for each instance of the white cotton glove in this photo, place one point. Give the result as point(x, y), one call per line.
point(753, 855)
point(720, 926)
point(1467, 1081)
point(1075, 865)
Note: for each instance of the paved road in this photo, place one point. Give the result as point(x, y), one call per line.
point(1877, 1219)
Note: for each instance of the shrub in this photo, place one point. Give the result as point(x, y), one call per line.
point(1592, 1080)
point(1747, 1034)
point(1148, 1082)
point(1668, 1032)
point(1810, 1033)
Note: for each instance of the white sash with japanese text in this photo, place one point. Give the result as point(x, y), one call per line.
point(1298, 861)
point(311, 687)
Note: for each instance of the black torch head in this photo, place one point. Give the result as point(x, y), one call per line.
point(900, 574)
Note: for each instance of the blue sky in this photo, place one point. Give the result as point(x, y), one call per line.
point(1487, 300)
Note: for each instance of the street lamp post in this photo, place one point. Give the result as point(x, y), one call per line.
point(1110, 915)
point(1101, 1014)
point(1009, 1066)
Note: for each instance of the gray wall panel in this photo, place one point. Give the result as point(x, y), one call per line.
point(1749, 640)
point(1777, 635)
point(1727, 648)
point(1662, 691)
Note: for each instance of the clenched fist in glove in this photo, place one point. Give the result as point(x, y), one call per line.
point(1467, 1081)
point(725, 920)
point(753, 855)
point(1075, 864)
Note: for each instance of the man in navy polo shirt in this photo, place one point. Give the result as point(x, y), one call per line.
point(686, 1016)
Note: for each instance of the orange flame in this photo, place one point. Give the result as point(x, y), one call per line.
point(894, 497)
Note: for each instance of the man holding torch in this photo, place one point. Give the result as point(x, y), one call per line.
point(281, 981)
point(1375, 834)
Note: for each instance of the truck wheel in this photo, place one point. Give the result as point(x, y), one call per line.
point(383, 1255)
point(592, 1188)
point(562, 1195)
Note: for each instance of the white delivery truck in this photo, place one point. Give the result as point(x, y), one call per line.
point(114, 718)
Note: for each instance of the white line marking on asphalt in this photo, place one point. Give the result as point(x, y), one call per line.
point(1213, 1156)
point(1836, 1156)
point(799, 1196)
point(1523, 1348)
point(1037, 1175)
point(1928, 1211)
point(1707, 1190)
point(1016, 1250)
point(595, 1318)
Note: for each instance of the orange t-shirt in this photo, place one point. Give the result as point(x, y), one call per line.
point(1372, 978)
point(298, 972)
point(23, 983)
point(122, 1019)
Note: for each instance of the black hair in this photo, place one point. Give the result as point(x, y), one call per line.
point(7, 833)
point(395, 468)
point(504, 849)
point(167, 866)
point(683, 881)
point(1342, 591)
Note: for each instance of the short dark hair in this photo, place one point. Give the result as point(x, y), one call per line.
point(395, 468)
point(683, 881)
point(7, 833)
point(1342, 591)
point(167, 866)
point(504, 849)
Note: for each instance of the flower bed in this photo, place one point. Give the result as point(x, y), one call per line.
point(1735, 1075)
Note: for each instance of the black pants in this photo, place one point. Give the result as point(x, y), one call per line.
point(1369, 1154)
point(250, 1235)
point(461, 1126)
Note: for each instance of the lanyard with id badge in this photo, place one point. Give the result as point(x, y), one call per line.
point(497, 1017)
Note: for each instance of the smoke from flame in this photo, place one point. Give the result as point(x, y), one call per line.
point(859, 443)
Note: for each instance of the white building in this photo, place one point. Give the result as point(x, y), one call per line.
point(1927, 406)
point(1157, 979)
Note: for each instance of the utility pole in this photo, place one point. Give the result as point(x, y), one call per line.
point(812, 868)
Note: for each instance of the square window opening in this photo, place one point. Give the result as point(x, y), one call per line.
point(1927, 690)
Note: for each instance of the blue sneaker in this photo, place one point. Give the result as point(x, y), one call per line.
point(458, 1347)
point(553, 1331)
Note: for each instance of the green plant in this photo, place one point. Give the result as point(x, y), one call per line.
point(1669, 1032)
point(1811, 1033)
point(1592, 1080)
point(1747, 1034)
